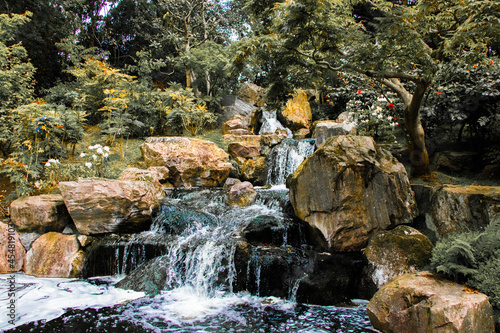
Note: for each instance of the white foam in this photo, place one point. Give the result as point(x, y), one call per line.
point(47, 298)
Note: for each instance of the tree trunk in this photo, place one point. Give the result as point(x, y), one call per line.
point(419, 158)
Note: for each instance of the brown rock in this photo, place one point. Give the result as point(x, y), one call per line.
point(456, 208)
point(239, 149)
point(241, 194)
point(100, 206)
point(297, 112)
point(251, 93)
point(395, 252)
point(158, 176)
point(54, 255)
point(191, 162)
point(301, 133)
point(40, 213)
point(349, 189)
point(254, 170)
point(13, 252)
point(237, 123)
point(230, 182)
point(418, 303)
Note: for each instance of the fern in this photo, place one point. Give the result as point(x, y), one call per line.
point(473, 258)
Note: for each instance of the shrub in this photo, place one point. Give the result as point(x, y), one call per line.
point(473, 258)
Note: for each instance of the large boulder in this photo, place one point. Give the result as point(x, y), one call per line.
point(13, 252)
point(191, 162)
point(349, 189)
point(156, 175)
point(327, 128)
point(252, 94)
point(395, 252)
point(455, 208)
point(297, 112)
point(421, 302)
point(100, 206)
point(54, 255)
point(42, 213)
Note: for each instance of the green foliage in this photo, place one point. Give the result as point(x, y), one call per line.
point(400, 44)
point(190, 111)
point(473, 258)
point(94, 162)
point(465, 98)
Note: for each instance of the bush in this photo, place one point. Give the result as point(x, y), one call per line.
point(472, 258)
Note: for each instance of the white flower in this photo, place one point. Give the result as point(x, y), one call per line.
point(99, 150)
point(51, 160)
point(105, 155)
point(83, 155)
point(94, 157)
point(47, 164)
point(37, 184)
point(91, 147)
point(88, 165)
point(106, 148)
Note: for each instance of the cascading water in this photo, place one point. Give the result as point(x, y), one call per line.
point(285, 158)
point(211, 257)
point(270, 123)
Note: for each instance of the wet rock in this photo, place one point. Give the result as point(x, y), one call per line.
point(265, 229)
point(297, 112)
point(54, 255)
point(328, 128)
point(270, 140)
point(421, 302)
point(150, 277)
point(100, 206)
point(230, 182)
point(349, 189)
point(241, 194)
point(456, 208)
point(40, 213)
point(191, 162)
point(255, 170)
point(13, 252)
point(295, 273)
point(395, 252)
point(121, 254)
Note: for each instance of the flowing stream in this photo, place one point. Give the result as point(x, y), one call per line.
point(201, 279)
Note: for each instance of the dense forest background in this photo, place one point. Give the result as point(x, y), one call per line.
point(134, 68)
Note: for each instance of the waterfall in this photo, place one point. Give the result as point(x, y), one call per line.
point(285, 158)
point(270, 123)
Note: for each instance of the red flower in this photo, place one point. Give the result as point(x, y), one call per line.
point(438, 93)
point(390, 106)
point(491, 62)
point(359, 91)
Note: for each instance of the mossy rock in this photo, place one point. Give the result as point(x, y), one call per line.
point(397, 251)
